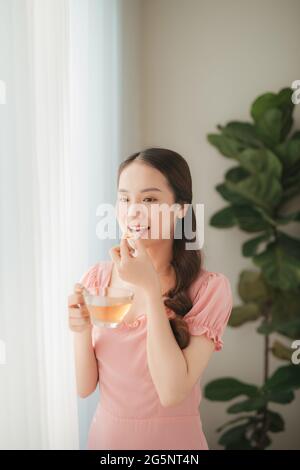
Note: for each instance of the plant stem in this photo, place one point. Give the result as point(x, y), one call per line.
point(266, 358)
point(263, 431)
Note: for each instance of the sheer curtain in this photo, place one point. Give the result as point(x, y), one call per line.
point(59, 126)
point(97, 129)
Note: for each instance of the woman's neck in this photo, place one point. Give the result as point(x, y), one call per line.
point(161, 256)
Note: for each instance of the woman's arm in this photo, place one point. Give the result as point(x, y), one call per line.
point(86, 364)
point(174, 371)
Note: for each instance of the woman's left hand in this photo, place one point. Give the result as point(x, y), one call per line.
point(137, 270)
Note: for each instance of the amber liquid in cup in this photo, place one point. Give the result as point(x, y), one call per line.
point(109, 306)
point(109, 314)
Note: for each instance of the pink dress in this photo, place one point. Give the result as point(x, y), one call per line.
point(129, 414)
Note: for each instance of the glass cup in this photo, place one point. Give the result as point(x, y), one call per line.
point(108, 306)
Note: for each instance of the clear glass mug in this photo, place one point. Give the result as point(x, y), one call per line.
point(108, 305)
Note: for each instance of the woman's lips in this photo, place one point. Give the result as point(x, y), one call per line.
point(138, 230)
point(132, 235)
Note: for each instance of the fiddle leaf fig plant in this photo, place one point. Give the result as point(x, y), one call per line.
point(259, 190)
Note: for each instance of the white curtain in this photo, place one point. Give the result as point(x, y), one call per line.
point(97, 132)
point(55, 148)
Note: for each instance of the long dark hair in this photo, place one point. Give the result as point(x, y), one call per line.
point(186, 263)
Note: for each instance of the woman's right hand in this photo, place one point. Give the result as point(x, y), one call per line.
point(79, 317)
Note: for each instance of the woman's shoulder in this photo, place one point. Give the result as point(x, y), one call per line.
point(96, 274)
point(208, 281)
point(212, 305)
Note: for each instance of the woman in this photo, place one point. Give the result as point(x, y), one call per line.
point(149, 367)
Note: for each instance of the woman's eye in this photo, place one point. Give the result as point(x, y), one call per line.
point(125, 199)
point(152, 198)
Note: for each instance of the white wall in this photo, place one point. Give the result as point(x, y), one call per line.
point(131, 31)
point(203, 63)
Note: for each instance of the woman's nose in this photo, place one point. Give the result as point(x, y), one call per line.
point(137, 210)
point(137, 213)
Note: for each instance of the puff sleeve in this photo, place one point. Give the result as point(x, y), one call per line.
point(90, 278)
point(211, 309)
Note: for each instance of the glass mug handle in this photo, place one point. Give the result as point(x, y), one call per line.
point(89, 291)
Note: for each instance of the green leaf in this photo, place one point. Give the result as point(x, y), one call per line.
point(229, 195)
point(288, 152)
point(287, 107)
point(262, 104)
point(290, 177)
point(235, 438)
point(224, 218)
point(263, 190)
point(277, 394)
point(296, 135)
point(281, 351)
point(283, 397)
point(248, 418)
point(290, 329)
point(236, 174)
point(285, 378)
point(227, 388)
point(257, 161)
point(292, 190)
point(244, 132)
point(286, 219)
point(290, 245)
point(251, 219)
point(243, 314)
point(269, 127)
point(284, 314)
point(280, 262)
point(265, 328)
point(260, 400)
point(281, 101)
point(251, 404)
point(250, 247)
point(252, 287)
point(275, 421)
point(242, 444)
point(228, 147)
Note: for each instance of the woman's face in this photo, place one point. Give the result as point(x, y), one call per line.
point(145, 198)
